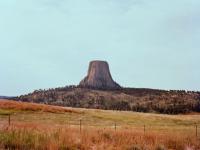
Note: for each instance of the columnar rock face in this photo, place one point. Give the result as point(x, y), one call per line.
point(99, 77)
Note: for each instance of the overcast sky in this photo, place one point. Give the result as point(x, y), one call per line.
point(147, 43)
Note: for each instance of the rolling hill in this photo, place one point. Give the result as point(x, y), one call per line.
point(131, 99)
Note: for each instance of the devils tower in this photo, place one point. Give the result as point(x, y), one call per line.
point(99, 77)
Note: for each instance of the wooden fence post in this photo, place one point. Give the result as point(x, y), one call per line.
point(196, 130)
point(9, 119)
point(115, 126)
point(144, 129)
point(80, 124)
point(68, 122)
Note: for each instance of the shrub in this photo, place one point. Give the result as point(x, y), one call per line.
point(160, 147)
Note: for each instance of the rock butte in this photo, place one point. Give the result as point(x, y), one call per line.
point(99, 77)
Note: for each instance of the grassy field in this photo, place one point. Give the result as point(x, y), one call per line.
point(35, 126)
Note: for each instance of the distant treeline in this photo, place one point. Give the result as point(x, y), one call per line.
point(128, 99)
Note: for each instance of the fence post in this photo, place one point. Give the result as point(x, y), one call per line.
point(9, 119)
point(68, 122)
point(144, 129)
point(196, 130)
point(115, 126)
point(80, 124)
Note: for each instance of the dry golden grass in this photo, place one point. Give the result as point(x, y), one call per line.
point(39, 137)
point(44, 127)
point(23, 106)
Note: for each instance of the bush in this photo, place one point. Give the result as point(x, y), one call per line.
point(160, 147)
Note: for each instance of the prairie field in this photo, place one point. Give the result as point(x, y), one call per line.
point(29, 126)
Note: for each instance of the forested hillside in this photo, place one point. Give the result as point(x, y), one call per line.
point(131, 99)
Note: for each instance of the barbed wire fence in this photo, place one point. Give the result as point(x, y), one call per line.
point(116, 126)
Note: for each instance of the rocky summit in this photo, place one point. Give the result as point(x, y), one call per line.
point(98, 90)
point(99, 77)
